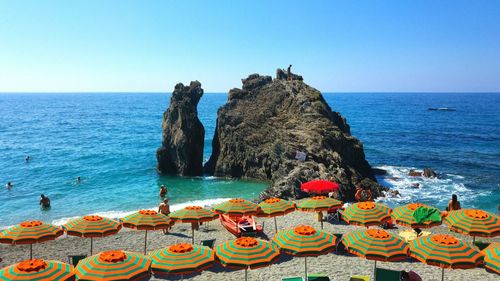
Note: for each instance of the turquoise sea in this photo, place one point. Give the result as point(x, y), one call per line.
point(110, 141)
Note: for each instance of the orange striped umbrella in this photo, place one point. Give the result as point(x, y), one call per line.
point(366, 214)
point(319, 204)
point(92, 226)
point(375, 244)
point(247, 252)
point(403, 215)
point(274, 207)
point(146, 220)
point(30, 232)
point(181, 259)
point(445, 251)
point(237, 206)
point(114, 265)
point(473, 222)
point(304, 241)
point(193, 214)
point(492, 258)
point(38, 270)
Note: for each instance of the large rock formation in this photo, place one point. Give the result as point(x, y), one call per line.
point(284, 132)
point(183, 134)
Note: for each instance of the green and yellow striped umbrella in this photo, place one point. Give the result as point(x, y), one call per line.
point(114, 265)
point(274, 207)
point(473, 222)
point(445, 251)
point(181, 259)
point(30, 232)
point(403, 215)
point(375, 244)
point(146, 220)
point(38, 270)
point(237, 206)
point(318, 204)
point(305, 241)
point(194, 215)
point(492, 258)
point(366, 214)
point(92, 226)
point(247, 252)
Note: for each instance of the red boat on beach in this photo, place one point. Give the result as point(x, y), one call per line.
point(240, 225)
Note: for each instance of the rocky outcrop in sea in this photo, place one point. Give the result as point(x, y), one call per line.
point(284, 132)
point(183, 134)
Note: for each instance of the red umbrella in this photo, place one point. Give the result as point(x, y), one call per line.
point(319, 186)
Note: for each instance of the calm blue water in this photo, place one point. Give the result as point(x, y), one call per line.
point(110, 141)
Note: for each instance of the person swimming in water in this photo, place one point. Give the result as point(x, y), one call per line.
point(163, 191)
point(28, 158)
point(78, 179)
point(44, 201)
point(9, 185)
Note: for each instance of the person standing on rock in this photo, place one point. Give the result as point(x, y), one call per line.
point(289, 73)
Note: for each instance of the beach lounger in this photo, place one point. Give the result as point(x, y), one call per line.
point(359, 278)
point(318, 277)
point(74, 260)
point(208, 243)
point(293, 278)
point(383, 274)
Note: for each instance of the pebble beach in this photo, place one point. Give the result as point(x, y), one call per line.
point(337, 267)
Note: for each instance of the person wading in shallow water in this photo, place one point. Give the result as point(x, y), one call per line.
point(289, 73)
point(163, 191)
point(44, 201)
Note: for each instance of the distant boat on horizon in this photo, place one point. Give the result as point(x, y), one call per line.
point(442, 108)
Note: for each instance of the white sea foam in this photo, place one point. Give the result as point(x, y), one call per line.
point(436, 191)
point(120, 214)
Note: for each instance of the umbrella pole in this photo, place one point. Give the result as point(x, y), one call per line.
point(31, 251)
point(305, 266)
point(91, 244)
point(473, 239)
point(246, 273)
point(375, 270)
point(275, 225)
point(145, 241)
point(442, 274)
point(192, 235)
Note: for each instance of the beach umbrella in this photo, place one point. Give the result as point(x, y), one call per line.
point(146, 220)
point(274, 207)
point(492, 258)
point(473, 222)
point(38, 270)
point(375, 244)
point(193, 214)
point(366, 214)
point(247, 252)
point(318, 204)
point(114, 265)
point(319, 186)
point(181, 259)
point(404, 215)
point(92, 226)
point(305, 241)
point(30, 232)
point(237, 206)
point(445, 251)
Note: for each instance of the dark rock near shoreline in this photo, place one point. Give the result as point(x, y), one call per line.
point(379, 172)
point(266, 127)
point(429, 173)
point(183, 134)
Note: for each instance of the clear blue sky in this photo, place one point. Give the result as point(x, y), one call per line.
point(336, 45)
